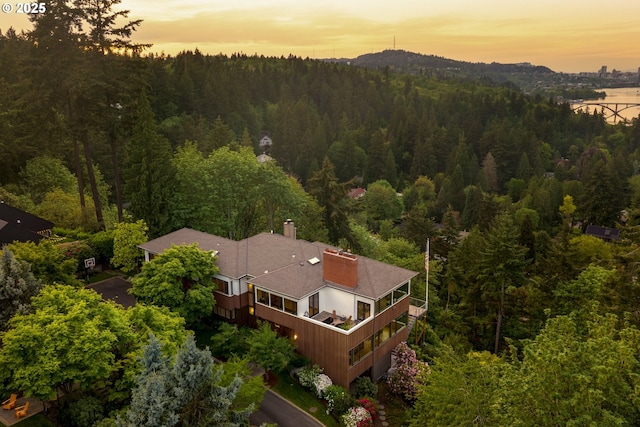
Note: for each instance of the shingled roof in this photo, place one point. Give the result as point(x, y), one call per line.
point(282, 264)
point(18, 225)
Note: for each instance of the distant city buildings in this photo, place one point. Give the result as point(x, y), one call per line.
point(625, 78)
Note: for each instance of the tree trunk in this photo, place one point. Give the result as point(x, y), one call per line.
point(78, 163)
point(116, 177)
point(498, 326)
point(79, 175)
point(92, 179)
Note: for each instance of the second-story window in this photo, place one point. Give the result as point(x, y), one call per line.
point(276, 301)
point(221, 285)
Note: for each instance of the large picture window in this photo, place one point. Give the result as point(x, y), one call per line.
point(390, 329)
point(383, 303)
point(360, 351)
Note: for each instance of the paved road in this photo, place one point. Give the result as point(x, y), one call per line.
point(275, 409)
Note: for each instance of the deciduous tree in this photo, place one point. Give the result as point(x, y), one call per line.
point(268, 350)
point(580, 370)
point(126, 238)
point(180, 278)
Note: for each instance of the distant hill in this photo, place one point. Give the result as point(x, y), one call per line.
point(523, 74)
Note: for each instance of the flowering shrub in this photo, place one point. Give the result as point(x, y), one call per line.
point(370, 407)
point(307, 376)
point(338, 400)
point(320, 383)
point(356, 417)
point(408, 370)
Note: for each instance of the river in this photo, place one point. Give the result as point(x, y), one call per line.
point(621, 96)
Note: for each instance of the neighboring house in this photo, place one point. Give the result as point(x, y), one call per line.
point(357, 193)
point(345, 312)
point(605, 233)
point(265, 143)
point(21, 226)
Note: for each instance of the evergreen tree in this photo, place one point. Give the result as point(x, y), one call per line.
point(17, 286)
point(324, 186)
point(151, 401)
point(501, 269)
point(149, 173)
point(185, 393)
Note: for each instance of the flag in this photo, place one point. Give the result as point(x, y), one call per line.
point(426, 258)
point(426, 284)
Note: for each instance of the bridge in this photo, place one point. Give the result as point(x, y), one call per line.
point(609, 109)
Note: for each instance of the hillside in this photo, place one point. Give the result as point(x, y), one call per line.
point(529, 78)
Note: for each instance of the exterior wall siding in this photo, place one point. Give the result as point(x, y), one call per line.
point(329, 348)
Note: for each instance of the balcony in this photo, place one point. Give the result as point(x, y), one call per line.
point(333, 319)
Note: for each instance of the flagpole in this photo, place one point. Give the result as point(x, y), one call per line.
point(426, 266)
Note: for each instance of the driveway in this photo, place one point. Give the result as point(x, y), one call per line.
point(276, 409)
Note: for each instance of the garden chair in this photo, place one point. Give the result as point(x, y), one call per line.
point(10, 403)
point(21, 411)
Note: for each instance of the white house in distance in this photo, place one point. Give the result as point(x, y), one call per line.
point(345, 312)
point(265, 143)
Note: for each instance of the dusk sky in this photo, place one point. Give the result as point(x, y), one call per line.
point(565, 35)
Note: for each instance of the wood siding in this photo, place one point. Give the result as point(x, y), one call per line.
point(329, 348)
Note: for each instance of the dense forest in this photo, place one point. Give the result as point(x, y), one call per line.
point(537, 319)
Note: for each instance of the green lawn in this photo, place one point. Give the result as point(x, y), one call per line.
point(38, 420)
point(303, 399)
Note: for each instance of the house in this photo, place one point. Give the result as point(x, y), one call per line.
point(345, 312)
point(605, 233)
point(21, 226)
point(357, 193)
point(265, 142)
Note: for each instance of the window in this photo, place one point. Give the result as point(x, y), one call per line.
point(400, 292)
point(290, 307)
point(222, 312)
point(364, 310)
point(383, 303)
point(314, 304)
point(360, 351)
point(390, 329)
point(221, 285)
point(276, 301)
point(262, 296)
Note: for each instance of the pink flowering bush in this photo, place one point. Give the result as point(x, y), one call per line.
point(356, 417)
point(403, 380)
point(370, 407)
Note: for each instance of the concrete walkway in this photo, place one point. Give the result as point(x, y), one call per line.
point(8, 418)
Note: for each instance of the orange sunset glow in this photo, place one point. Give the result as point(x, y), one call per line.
point(565, 36)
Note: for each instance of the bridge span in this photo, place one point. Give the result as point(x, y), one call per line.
point(611, 110)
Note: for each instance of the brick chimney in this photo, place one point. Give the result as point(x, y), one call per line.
point(340, 268)
point(290, 229)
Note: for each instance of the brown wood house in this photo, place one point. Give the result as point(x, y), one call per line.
point(344, 312)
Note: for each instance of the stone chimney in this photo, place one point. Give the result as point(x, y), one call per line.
point(290, 229)
point(340, 268)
